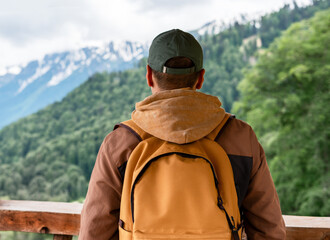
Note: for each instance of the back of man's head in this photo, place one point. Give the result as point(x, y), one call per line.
point(176, 59)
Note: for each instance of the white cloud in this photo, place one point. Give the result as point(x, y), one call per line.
point(14, 70)
point(30, 29)
point(3, 71)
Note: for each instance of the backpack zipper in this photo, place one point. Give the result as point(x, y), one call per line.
point(166, 154)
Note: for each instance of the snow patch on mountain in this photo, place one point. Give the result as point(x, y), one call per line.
point(79, 55)
point(213, 27)
point(56, 79)
point(39, 72)
point(128, 51)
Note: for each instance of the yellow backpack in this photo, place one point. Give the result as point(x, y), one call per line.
point(179, 191)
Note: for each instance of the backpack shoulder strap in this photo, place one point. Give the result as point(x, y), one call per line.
point(215, 134)
point(134, 128)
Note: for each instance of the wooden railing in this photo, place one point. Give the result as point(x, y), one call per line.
point(63, 220)
point(57, 218)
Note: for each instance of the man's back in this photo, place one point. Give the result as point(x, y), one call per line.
point(181, 115)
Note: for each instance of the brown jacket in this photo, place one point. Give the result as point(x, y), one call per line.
point(183, 116)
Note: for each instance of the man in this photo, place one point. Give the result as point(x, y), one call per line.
point(176, 112)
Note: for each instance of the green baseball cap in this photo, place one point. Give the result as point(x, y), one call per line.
point(175, 43)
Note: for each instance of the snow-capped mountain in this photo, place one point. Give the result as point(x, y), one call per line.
point(211, 28)
point(27, 88)
point(216, 26)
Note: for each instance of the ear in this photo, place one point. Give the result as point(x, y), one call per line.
point(200, 80)
point(149, 76)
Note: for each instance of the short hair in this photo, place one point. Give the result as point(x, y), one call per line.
point(166, 81)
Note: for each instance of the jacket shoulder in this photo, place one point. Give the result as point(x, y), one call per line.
point(119, 144)
point(237, 138)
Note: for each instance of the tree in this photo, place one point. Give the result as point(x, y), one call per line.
point(286, 98)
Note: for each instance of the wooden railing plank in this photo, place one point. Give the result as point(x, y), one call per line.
point(41, 206)
point(63, 220)
point(62, 237)
point(40, 217)
point(307, 234)
point(307, 228)
point(306, 222)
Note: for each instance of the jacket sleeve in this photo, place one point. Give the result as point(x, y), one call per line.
point(263, 216)
point(100, 213)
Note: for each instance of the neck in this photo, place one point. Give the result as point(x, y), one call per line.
point(157, 90)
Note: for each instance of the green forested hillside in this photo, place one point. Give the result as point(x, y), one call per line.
point(227, 53)
point(286, 98)
point(49, 155)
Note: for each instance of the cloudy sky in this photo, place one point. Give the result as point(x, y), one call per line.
point(30, 29)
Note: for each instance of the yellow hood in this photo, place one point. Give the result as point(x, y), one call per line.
point(179, 116)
